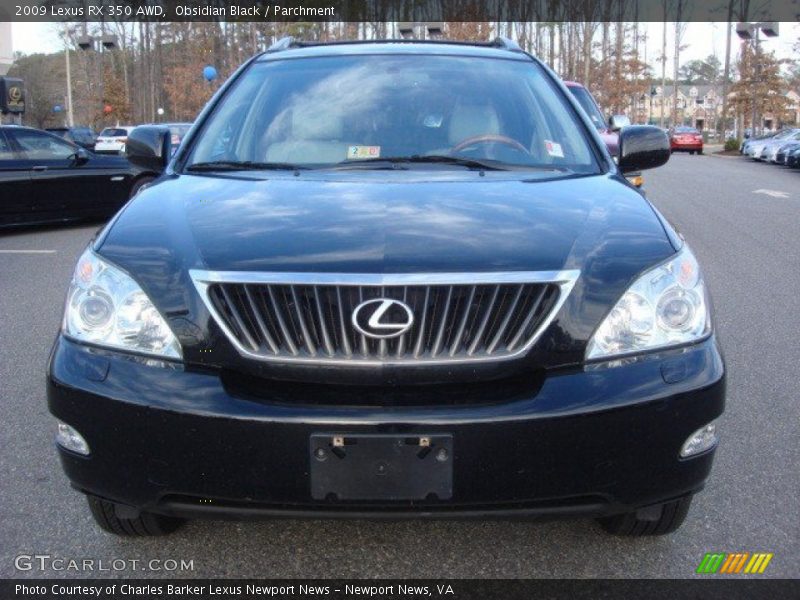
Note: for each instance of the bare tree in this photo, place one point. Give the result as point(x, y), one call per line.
point(680, 29)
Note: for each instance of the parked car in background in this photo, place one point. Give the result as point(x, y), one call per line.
point(771, 151)
point(82, 136)
point(793, 158)
point(783, 151)
point(592, 109)
point(749, 140)
point(757, 149)
point(177, 132)
point(685, 139)
point(44, 178)
point(595, 114)
point(112, 140)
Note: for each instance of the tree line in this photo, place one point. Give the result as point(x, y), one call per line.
point(160, 65)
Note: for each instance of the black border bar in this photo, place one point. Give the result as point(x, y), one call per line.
point(711, 588)
point(271, 11)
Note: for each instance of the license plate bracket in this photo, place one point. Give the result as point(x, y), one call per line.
point(381, 466)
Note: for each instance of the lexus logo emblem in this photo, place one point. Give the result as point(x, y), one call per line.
point(383, 318)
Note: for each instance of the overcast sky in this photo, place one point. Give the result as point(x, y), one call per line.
point(701, 40)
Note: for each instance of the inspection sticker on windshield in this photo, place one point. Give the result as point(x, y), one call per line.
point(553, 149)
point(363, 152)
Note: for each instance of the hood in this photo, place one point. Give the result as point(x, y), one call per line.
point(385, 222)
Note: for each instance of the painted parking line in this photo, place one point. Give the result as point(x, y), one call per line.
point(27, 251)
point(773, 193)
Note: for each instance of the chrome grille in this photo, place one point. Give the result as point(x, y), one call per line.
point(457, 317)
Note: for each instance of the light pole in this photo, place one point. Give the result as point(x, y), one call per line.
point(70, 114)
point(750, 31)
point(418, 29)
point(99, 43)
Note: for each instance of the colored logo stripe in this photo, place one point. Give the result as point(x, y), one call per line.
point(734, 563)
point(719, 562)
point(710, 563)
point(758, 563)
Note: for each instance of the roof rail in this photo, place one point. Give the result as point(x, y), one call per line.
point(288, 42)
point(283, 44)
point(506, 43)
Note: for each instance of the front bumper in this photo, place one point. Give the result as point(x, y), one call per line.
point(599, 440)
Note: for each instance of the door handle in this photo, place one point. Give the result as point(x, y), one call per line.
point(39, 168)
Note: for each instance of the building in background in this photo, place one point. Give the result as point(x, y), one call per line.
point(700, 106)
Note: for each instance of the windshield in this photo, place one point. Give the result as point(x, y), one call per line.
point(587, 103)
point(366, 111)
point(686, 130)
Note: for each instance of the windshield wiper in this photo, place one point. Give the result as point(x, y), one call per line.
point(243, 165)
point(419, 159)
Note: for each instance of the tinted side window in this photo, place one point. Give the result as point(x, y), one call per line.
point(5, 148)
point(41, 146)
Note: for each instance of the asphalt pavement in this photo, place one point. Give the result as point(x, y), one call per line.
point(741, 218)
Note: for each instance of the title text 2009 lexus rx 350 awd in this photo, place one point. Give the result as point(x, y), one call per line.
point(389, 279)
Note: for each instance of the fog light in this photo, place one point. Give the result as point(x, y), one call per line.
point(700, 441)
point(70, 439)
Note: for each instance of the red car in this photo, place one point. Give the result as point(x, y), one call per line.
point(686, 139)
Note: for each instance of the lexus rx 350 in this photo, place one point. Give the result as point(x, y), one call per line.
point(389, 279)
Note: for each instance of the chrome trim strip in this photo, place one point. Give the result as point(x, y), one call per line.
point(345, 279)
point(202, 279)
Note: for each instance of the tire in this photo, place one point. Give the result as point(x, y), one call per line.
point(146, 524)
point(699, 151)
point(670, 517)
point(691, 151)
point(139, 184)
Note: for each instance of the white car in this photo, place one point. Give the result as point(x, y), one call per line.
point(112, 140)
point(763, 149)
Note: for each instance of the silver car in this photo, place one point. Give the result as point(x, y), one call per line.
point(767, 148)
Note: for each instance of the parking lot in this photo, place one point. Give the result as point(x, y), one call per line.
point(741, 218)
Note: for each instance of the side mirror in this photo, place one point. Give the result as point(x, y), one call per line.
point(81, 156)
point(149, 147)
point(642, 147)
point(617, 122)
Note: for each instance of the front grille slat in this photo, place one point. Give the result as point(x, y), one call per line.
point(455, 347)
point(262, 326)
point(527, 320)
point(237, 317)
point(348, 351)
point(401, 343)
point(288, 338)
point(307, 340)
point(437, 344)
point(501, 329)
point(326, 339)
point(484, 322)
point(421, 336)
point(455, 320)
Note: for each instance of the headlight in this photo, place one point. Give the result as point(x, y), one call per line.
point(108, 308)
point(667, 306)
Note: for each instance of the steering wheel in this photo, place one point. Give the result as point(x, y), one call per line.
point(487, 139)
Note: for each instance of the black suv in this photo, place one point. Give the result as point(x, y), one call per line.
point(389, 279)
